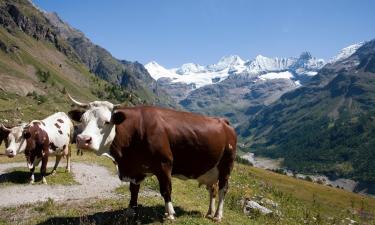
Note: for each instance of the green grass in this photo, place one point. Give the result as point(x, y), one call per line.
point(300, 202)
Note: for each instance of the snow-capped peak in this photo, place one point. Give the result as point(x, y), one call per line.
point(264, 67)
point(232, 60)
point(157, 71)
point(346, 52)
point(263, 64)
point(189, 68)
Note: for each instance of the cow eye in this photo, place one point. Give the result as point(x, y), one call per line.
point(107, 122)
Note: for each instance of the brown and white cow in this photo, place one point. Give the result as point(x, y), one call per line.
point(39, 139)
point(147, 140)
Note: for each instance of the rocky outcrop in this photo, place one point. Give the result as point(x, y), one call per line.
point(33, 23)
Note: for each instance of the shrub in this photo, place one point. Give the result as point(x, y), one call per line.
point(43, 76)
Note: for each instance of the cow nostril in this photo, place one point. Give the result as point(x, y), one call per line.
point(88, 141)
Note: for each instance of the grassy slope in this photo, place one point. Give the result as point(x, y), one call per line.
point(66, 75)
point(299, 202)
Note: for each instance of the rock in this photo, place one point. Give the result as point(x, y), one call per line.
point(251, 206)
point(266, 201)
point(351, 221)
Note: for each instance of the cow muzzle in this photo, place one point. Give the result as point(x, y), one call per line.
point(84, 141)
point(10, 153)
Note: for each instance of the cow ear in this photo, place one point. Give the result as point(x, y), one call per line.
point(26, 134)
point(117, 117)
point(76, 114)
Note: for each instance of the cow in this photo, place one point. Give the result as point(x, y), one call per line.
point(149, 140)
point(39, 139)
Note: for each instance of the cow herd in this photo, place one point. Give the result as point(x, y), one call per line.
point(142, 141)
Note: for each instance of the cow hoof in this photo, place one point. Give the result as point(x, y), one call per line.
point(130, 212)
point(44, 180)
point(169, 217)
point(216, 219)
point(209, 216)
point(67, 170)
point(53, 172)
point(31, 182)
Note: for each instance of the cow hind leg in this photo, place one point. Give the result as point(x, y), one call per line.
point(165, 184)
point(225, 167)
point(58, 158)
point(220, 209)
point(43, 169)
point(68, 152)
point(134, 190)
point(212, 190)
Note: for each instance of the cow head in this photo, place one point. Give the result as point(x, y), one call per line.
point(14, 142)
point(97, 123)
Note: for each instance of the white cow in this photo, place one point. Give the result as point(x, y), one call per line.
point(55, 132)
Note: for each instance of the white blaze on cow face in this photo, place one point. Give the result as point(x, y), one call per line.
point(98, 131)
point(15, 142)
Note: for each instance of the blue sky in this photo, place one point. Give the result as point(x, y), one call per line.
point(173, 32)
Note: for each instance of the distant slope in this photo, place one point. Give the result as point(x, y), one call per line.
point(327, 126)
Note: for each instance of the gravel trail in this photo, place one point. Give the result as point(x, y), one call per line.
point(94, 182)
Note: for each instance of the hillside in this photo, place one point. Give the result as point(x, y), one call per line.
point(326, 126)
point(38, 67)
point(130, 75)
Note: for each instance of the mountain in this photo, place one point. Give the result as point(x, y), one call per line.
point(200, 76)
point(346, 52)
point(328, 125)
point(131, 75)
point(38, 66)
point(233, 87)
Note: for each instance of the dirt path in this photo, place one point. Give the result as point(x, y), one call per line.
point(94, 182)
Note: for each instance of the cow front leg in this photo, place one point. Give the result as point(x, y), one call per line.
point(134, 190)
point(32, 169)
point(58, 158)
point(43, 169)
point(165, 185)
point(212, 190)
point(32, 178)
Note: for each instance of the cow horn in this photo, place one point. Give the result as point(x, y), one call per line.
point(2, 127)
point(80, 104)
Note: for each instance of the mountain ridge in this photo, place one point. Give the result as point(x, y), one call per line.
point(326, 126)
point(233, 64)
point(131, 75)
